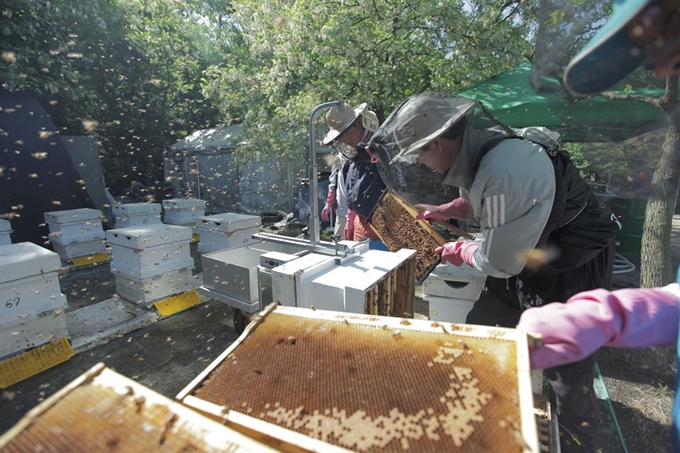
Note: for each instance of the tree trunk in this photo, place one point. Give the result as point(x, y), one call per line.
point(656, 268)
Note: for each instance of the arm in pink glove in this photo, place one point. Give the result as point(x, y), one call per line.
point(330, 199)
point(458, 252)
point(459, 208)
point(626, 318)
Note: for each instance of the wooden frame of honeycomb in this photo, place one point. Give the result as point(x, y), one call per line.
point(394, 222)
point(311, 380)
point(102, 410)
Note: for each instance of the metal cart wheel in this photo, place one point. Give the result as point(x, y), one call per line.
point(239, 321)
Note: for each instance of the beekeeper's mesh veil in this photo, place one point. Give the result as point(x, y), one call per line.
point(410, 127)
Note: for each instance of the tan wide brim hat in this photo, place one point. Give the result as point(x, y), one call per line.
point(339, 119)
point(422, 118)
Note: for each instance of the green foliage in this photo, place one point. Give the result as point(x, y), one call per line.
point(130, 67)
point(618, 165)
point(307, 52)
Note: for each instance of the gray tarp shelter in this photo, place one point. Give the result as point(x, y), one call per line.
point(84, 154)
point(511, 99)
point(202, 166)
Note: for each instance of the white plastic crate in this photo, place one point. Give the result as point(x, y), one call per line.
point(454, 282)
point(5, 232)
point(32, 326)
point(143, 252)
point(148, 290)
point(447, 309)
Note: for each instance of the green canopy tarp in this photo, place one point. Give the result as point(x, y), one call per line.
point(510, 97)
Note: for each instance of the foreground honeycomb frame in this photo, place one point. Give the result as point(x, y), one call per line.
point(312, 380)
point(103, 411)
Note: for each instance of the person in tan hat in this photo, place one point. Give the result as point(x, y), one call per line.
point(546, 237)
point(360, 178)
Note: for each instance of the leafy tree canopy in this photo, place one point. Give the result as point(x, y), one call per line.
point(304, 53)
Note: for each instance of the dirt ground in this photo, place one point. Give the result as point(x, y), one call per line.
point(640, 385)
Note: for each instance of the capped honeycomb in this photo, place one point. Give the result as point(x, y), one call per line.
point(110, 413)
point(398, 229)
point(377, 385)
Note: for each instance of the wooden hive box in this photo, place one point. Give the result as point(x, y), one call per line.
point(103, 411)
point(311, 380)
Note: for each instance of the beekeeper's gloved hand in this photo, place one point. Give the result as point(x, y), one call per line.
point(458, 252)
point(626, 318)
point(330, 199)
point(459, 208)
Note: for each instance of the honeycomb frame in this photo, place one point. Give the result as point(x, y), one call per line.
point(464, 411)
point(122, 416)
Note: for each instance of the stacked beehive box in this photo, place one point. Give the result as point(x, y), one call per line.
point(226, 231)
point(152, 262)
point(5, 231)
point(76, 233)
point(183, 211)
point(32, 310)
point(451, 291)
point(136, 214)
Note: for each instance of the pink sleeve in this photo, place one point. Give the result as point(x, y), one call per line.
point(627, 318)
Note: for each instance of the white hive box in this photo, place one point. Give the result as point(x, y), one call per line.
point(32, 325)
point(148, 251)
point(68, 226)
point(447, 309)
point(226, 231)
point(29, 275)
point(153, 289)
point(286, 279)
point(182, 211)
point(233, 273)
point(454, 282)
point(5, 232)
point(76, 246)
point(346, 286)
point(136, 214)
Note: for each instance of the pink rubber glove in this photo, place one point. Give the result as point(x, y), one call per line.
point(459, 208)
point(626, 318)
point(349, 228)
point(458, 252)
point(326, 212)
